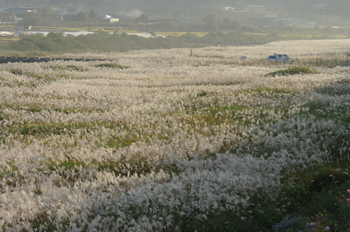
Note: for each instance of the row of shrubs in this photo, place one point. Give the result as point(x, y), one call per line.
point(103, 42)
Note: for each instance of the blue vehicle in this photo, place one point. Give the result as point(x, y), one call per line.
point(278, 58)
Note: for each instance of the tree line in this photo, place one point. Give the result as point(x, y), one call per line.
point(122, 42)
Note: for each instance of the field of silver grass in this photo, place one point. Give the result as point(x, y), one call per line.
point(164, 136)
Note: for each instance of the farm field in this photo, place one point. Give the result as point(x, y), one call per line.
point(163, 141)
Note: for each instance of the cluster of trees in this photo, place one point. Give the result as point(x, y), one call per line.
point(210, 23)
point(103, 42)
point(98, 42)
point(231, 38)
point(80, 17)
point(47, 18)
point(213, 23)
point(40, 18)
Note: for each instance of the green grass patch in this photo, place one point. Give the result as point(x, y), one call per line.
point(34, 109)
point(46, 129)
point(212, 107)
point(42, 78)
point(139, 166)
point(119, 142)
point(213, 114)
point(7, 170)
point(319, 195)
point(315, 195)
point(67, 164)
point(2, 115)
point(122, 167)
point(16, 71)
point(43, 129)
point(291, 71)
point(219, 115)
point(69, 68)
point(110, 65)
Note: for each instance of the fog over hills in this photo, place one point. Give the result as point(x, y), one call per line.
point(329, 12)
point(332, 6)
point(303, 7)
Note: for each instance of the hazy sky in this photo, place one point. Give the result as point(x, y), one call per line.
point(176, 8)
